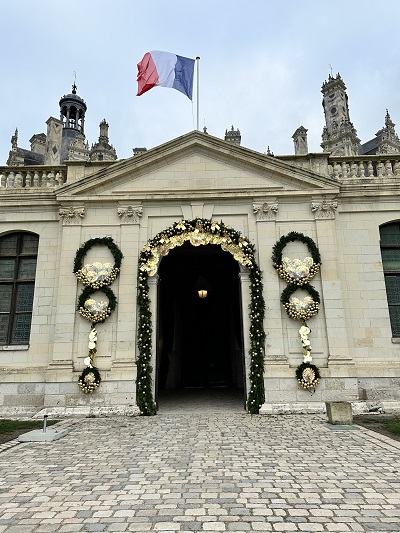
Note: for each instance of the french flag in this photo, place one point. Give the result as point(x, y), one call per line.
point(165, 70)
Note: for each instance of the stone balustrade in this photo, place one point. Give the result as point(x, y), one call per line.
point(32, 177)
point(367, 167)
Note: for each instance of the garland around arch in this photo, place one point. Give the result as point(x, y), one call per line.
point(199, 232)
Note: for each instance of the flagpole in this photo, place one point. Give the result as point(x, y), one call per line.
point(198, 85)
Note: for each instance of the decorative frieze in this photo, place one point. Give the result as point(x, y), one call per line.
point(71, 215)
point(130, 214)
point(265, 211)
point(325, 209)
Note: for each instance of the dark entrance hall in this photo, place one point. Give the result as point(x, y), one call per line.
point(200, 341)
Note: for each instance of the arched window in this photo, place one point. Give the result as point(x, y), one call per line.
point(18, 256)
point(390, 250)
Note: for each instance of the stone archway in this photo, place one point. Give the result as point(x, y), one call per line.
point(198, 232)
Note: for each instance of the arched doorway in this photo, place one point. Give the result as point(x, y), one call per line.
point(199, 232)
point(200, 339)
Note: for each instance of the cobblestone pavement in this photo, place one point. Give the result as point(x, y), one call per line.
point(204, 469)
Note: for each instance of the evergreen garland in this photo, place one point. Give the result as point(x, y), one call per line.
point(256, 395)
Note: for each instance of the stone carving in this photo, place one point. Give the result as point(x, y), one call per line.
point(265, 211)
point(71, 215)
point(130, 213)
point(324, 209)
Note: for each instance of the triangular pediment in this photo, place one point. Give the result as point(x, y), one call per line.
point(197, 165)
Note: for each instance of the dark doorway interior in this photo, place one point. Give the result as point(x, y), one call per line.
point(200, 341)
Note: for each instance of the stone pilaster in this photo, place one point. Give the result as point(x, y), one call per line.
point(124, 364)
point(61, 366)
point(244, 277)
point(340, 363)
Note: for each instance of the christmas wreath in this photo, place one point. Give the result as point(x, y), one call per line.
point(89, 380)
point(297, 271)
point(300, 309)
point(97, 275)
point(308, 376)
point(93, 310)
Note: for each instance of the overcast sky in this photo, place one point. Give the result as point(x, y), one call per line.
point(262, 66)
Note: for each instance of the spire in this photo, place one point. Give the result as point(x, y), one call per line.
point(103, 150)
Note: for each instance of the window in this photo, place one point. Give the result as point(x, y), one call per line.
point(390, 249)
point(18, 256)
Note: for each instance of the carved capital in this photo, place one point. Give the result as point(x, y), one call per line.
point(130, 214)
point(265, 211)
point(324, 209)
point(71, 215)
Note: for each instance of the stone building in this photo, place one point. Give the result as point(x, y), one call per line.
point(197, 221)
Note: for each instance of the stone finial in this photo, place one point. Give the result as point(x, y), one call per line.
point(14, 140)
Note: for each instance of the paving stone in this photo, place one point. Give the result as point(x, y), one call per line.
point(202, 470)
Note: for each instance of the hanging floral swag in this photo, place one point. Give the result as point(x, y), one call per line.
point(296, 271)
point(199, 232)
point(96, 277)
point(97, 274)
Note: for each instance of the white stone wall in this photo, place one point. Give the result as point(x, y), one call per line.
point(351, 336)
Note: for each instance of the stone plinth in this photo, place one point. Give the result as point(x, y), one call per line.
point(339, 413)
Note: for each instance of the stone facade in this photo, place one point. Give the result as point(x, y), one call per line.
point(338, 201)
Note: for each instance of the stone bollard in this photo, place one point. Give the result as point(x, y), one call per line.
point(339, 413)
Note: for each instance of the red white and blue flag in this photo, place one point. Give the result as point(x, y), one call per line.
point(164, 69)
